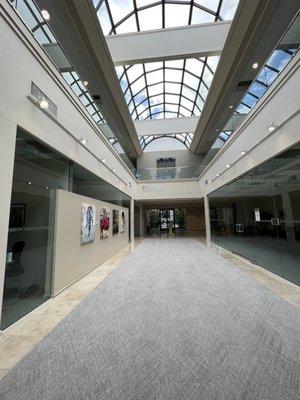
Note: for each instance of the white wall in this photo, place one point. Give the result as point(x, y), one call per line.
point(184, 158)
point(279, 106)
point(23, 61)
point(71, 259)
point(162, 190)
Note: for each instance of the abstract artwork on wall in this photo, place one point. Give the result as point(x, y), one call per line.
point(88, 223)
point(123, 221)
point(115, 221)
point(104, 222)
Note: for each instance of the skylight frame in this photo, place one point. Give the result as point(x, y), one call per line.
point(112, 24)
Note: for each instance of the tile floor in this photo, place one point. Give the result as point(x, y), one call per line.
point(18, 339)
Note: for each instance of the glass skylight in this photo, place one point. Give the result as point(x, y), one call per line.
point(184, 138)
point(167, 89)
point(123, 16)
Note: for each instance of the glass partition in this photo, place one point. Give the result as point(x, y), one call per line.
point(38, 172)
point(257, 215)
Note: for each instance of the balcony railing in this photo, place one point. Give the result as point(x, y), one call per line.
point(170, 173)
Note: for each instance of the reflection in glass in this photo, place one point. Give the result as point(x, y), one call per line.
point(258, 215)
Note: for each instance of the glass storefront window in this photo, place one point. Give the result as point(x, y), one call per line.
point(38, 172)
point(258, 215)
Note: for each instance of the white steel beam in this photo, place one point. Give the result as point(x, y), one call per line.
point(166, 126)
point(168, 44)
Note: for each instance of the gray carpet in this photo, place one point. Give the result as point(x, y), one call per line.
point(173, 321)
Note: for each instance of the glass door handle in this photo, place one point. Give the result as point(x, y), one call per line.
point(241, 228)
point(237, 227)
point(275, 221)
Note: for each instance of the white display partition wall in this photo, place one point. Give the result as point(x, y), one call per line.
point(72, 260)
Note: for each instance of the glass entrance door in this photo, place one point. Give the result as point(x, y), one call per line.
point(166, 219)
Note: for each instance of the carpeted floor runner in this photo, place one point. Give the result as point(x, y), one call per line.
point(173, 321)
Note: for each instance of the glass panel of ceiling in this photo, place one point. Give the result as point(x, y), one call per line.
point(167, 89)
point(123, 16)
point(184, 138)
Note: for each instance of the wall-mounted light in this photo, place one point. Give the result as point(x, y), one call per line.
point(83, 140)
point(45, 15)
point(255, 65)
point(43, 103)
point(243, 152)
point(218, 174)
point(85, 83)
point(228, 165)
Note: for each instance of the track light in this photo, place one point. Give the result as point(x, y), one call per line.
point(45, 15)
point(83, 140)
point(272, 128)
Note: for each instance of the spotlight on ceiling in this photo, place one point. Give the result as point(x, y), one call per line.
point(85, 83)
point(45, 15)
point(271, 128)
point(44, 104)
point(83, 140)
point(255, 65)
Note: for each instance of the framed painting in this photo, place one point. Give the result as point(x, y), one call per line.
point(88, 223)
point(116, 221)
point(123, 221)
point(104, 222)
point(17, 215)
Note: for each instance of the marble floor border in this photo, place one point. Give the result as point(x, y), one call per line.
point(283, 288)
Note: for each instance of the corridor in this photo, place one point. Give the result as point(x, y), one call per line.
point(173, 321)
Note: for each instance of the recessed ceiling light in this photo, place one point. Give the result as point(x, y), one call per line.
point(243, 152)
point(255, 65)
point(44, 103)
point(85, 83)
point(45, 15)
point(83, 140)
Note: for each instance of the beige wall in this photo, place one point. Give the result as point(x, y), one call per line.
point(195, 219)
point(71, 259)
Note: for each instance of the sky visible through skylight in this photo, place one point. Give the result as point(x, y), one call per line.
point(166, 89)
